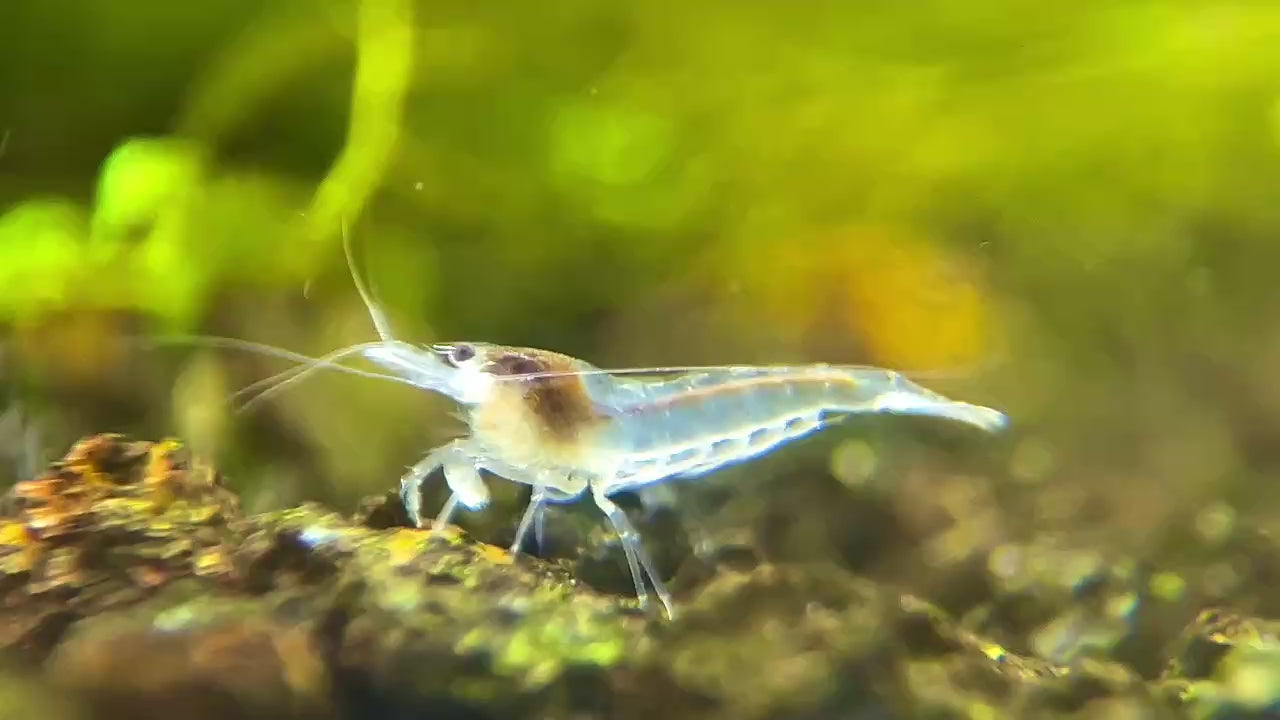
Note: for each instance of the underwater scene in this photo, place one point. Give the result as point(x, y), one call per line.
point(380, 359)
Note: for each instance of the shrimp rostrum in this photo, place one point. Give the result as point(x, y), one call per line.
point(568, 429)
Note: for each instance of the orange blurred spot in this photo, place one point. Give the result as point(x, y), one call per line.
point(14, 534)
point(916, 307)
point(404, 546)
point(495, 555)
point(905, 302)
point(76, 348)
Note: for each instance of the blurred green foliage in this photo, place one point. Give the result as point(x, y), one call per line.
point(1071, 208)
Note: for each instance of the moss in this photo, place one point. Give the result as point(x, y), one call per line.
point(539, 648)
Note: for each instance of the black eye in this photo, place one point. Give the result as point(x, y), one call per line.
point(454, 353)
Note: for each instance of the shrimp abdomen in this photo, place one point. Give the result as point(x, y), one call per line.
point(705, 422)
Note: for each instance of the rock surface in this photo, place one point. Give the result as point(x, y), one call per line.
point(134, 587)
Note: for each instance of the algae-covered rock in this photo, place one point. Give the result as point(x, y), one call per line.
point(187, 653)
point(1226, 665)
point(125, 556)
point(133, 584)
point(105, 527)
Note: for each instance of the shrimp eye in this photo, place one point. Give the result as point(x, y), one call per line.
point(454, 354)
point(461, 353)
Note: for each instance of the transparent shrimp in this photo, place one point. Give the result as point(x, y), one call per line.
point(567, 428)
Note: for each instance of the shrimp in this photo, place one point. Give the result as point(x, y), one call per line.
point(569, 429)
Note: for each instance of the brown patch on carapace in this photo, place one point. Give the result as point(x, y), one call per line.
point(532, 419)
point(558, 401)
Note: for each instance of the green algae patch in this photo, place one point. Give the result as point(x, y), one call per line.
point(538, 647)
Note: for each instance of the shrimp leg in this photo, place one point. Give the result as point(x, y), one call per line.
point(535, 514)
point(532, 518)
point(638, 558)
point(560, 489)
point(461, 473)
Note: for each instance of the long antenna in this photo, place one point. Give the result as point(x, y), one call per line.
point(685, 369)
point(380, 322)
